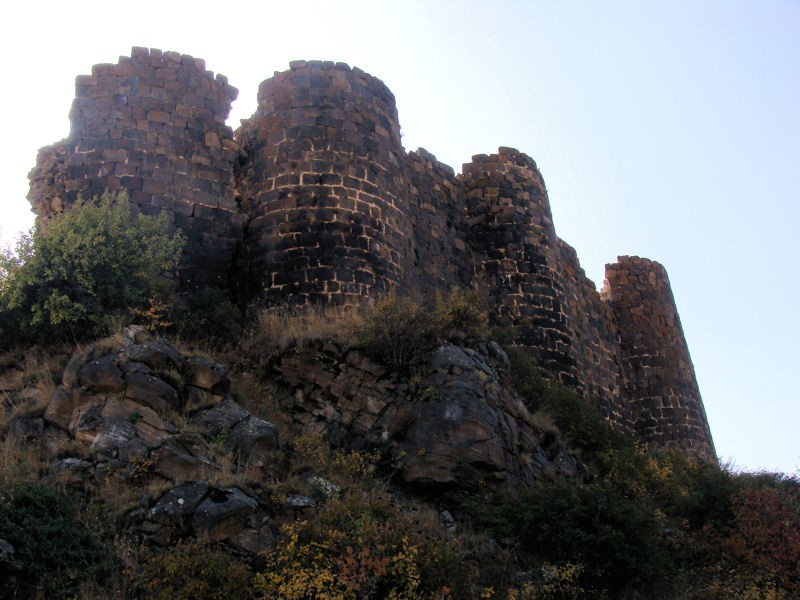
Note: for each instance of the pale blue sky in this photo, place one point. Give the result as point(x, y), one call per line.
point(667, 129)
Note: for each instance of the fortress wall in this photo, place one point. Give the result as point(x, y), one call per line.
point(316, 201)
point(438, 255)
point(321, 186)
point(516, 256)
point(154, 125)
point(595, 339)
point(662, 389)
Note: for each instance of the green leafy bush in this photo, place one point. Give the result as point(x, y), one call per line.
point(54, 551)
point(86, 268)
point(206, 314)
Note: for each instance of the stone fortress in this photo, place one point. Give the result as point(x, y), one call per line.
point(314, 200)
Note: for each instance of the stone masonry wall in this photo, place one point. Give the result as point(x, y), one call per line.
point(595, 339)
point(315, 200)
point(439, 258)
point(516, 249)
point(154, 125)
point(321, 186)
point(661, 388)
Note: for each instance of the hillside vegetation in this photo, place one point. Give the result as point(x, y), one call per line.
point(164, 444)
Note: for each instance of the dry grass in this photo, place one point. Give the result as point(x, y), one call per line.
point(277, 330)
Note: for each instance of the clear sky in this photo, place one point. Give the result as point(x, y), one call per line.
point(667, 129)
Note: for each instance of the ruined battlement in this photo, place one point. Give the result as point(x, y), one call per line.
point(314, 200)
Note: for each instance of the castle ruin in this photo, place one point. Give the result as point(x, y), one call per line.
point(314, 200)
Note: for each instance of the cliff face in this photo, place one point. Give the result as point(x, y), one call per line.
point(315, 200)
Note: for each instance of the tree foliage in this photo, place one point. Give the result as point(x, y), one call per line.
point(88, 266)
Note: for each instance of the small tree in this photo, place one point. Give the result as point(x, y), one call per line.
point(93, 263)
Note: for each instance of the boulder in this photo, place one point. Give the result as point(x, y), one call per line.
point(220, 419)
point(158, 355)
point(118, 441)
point(62, 404)
point(222, 514)
point(151, 391)
point(101, 375)
point(178, 504)
point(182, 457)
point(72, 465)
point(254, 441)
point(206, 374)
point(171, 515)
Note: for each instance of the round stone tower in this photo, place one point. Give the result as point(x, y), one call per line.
point(517, 255)
point(664, 397)
point(154, 126)
point(321, 186)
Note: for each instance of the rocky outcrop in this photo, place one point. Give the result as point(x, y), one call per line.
point(455, 425)
point(124, 397)
point(141, 407)
point(212, 514)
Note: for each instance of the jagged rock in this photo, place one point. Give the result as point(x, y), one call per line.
point(222, 514)
point(467, 429)
point(61, 407)
point(118, 441)
point(256, 538)
point(158, 355)
point(324, 487)
point(458, 425)
point(207, 375)
point(149, 425)
point(171, 515)
point(254, 440)
point(182, 457)
point(447, 521)
point(150, 391)
point(72, 465)
point(101, 375)
point(87, 421)
point(221, 418)
point(197, 399)
point(299, 501)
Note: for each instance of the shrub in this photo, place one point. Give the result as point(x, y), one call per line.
point(206, 314)
point(756, 553)
point(616, 540)
point(402, 330)
point(362, 544)
point(54, 552)
point(90, 265)
point(192, 571)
